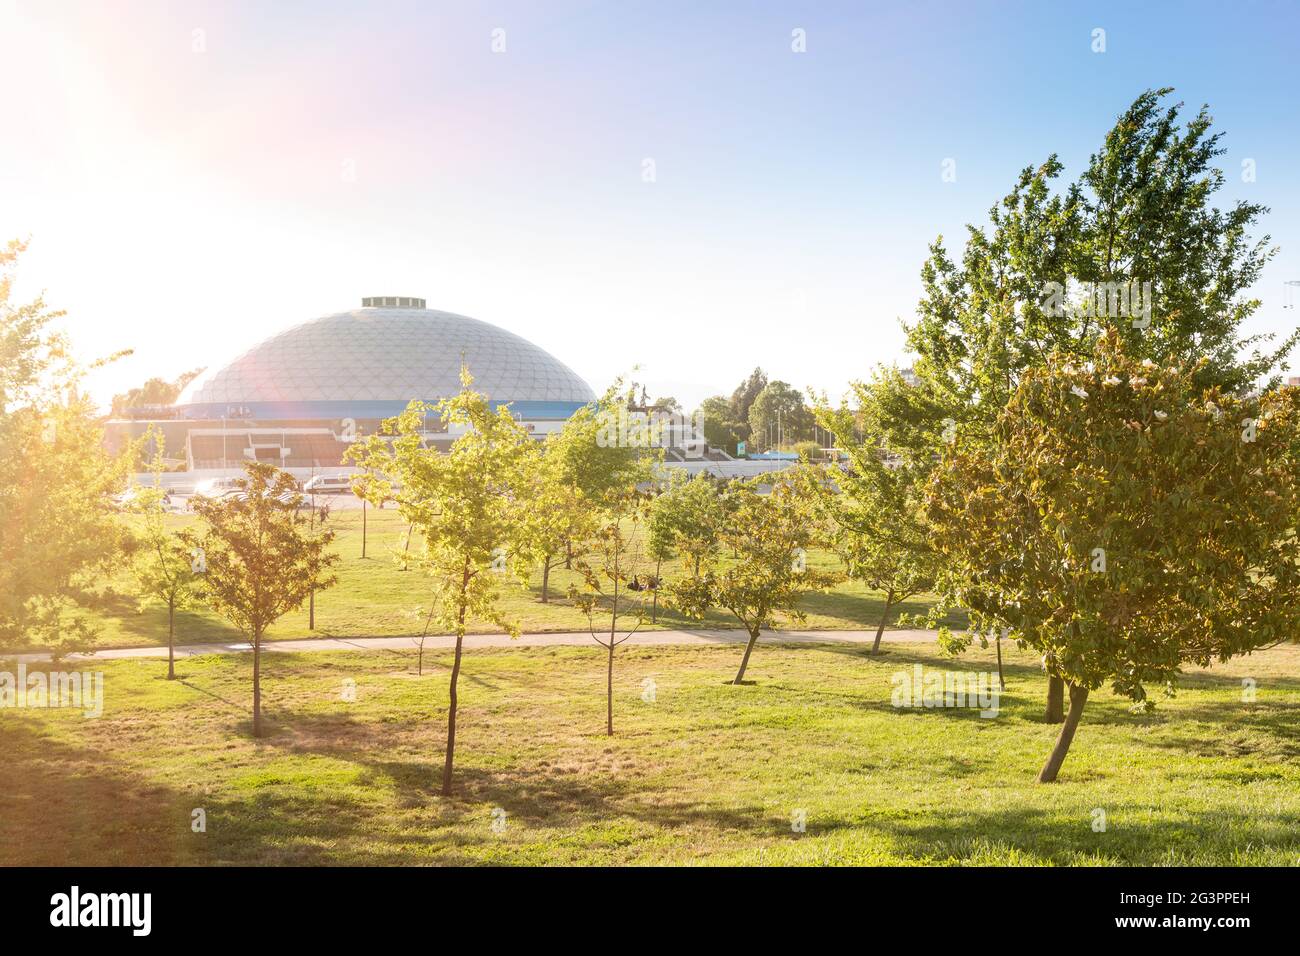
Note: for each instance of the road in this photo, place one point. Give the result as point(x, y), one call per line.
point(558, 639)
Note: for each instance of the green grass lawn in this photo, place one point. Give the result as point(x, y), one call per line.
point(706, 773)
point(375, 598)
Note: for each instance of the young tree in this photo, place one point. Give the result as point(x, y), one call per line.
point(611, 581)
point(258, 558)
point(166, 569)
point(876, 504)
point(1127, 521)
point(770, 534)
point(466, 504)
point(59, 529)
point(688, 517)
point(558, 513)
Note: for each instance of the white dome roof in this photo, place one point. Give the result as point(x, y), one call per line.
point(391, 355)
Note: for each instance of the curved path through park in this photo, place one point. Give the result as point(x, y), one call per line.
point(566, 638)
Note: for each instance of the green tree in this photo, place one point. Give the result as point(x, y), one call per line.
point(166, 567)
point(770, 535)
point(1050, 270)
point(59, 531)
point(258, 558)
point(466, 504)
point(602, 452)
point(595, 459)
point(745, 394)
point(721, 427)
point(877, 504)
point(779, 416)
point(156, 391)
point(558, 514)
point(1127, 521)
point(1030, 283)
point(688, 517)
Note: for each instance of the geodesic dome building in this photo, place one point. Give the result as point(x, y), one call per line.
point(370, 362)
point(299, 398)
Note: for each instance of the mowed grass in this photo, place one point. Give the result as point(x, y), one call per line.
point(374, 597)
point(705, 773)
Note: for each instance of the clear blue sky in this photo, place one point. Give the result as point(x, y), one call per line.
point(305, 155)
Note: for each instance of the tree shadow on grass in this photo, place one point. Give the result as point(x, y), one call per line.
point(537, 795)
point(62, 805)
point(1268, 730)
point(1039, 836)
point(543, 797)
point(863, 610)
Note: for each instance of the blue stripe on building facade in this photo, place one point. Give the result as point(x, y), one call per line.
point(320, 411)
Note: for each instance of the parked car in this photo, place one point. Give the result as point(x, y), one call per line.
point(133, 495)
point(213, 487)
point(295, 500)
point(328, 485)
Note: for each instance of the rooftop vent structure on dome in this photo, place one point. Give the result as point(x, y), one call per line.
point(392, 302)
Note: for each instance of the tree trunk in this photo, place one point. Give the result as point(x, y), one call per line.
point(568, 555)
point(654, 610)
point(363, 527)
point(407, 549)
point(884, 617)
point(1002, 683)
point(311, 610)
point(257, 684)
point(609, 690)
point(1078, 697)
point(1055, 700)
point(744, 661)
point(455, 674)
point(171, 641)
point(546, 580)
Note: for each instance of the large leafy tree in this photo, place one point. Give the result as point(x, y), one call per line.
point(745, 394)
point(156, 391)
point(258, 558)
point(1030, 283)
point(779, 414)
point(721, 427)
point(1127, 520)
point(467, 505)
point(1142, 211)
point(59, 531)
point(760, 574)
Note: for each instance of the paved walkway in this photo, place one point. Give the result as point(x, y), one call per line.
point(570, 638)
